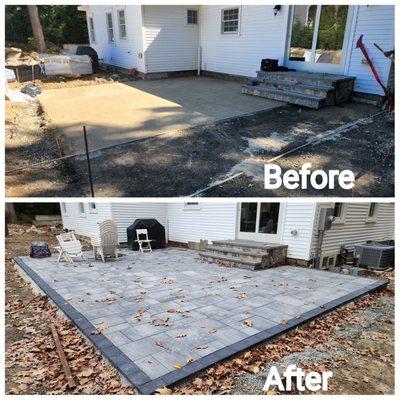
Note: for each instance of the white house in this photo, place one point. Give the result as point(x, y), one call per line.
point(232, 40)
point(293, 224)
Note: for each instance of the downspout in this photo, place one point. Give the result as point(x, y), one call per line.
point(317, 258)
point(199, 43)
point(144, 55)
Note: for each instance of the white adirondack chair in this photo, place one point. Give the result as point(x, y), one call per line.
point(105, 243)
point(144, 244)
point(69, 247)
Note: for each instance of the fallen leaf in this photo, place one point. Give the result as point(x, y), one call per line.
point(164, 390)
point(248, 322)
point(100, 329)
point(177, 365)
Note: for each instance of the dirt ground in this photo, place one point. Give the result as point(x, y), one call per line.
point(356, 342)
point(197, 158)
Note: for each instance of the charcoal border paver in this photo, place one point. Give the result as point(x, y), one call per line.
point(142, 381)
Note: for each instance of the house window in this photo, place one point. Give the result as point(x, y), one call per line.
point(230, 20)
point(91, 30)
point(110, 29)
point(193, 205)
point(81, 208)
point(122, 24)
point(192, 17)
point(338, 210)
point(372, 210)
point(92, 208)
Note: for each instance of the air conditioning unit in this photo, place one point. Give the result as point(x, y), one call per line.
point(374, 255)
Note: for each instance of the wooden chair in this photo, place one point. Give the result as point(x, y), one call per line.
point(144, 244)
point(105, 243)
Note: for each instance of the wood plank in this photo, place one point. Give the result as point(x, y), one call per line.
point(63, 359)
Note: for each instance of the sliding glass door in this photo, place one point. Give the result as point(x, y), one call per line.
point(260, 222)
point(317, 37)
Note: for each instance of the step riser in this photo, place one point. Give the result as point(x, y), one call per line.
point(240, 257)
point(306, 80)
point(231, 264)
point(297, 89)
point(284, 97)
point(257, 250)
point(313, 80)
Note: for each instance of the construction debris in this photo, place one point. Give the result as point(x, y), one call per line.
point(15, 56)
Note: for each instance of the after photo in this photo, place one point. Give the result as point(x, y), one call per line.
point(199, 298)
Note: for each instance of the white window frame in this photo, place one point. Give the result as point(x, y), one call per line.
point(92, 32)
point(119, 10)
point(372, 218)
point(222, 21)
point(93, 210)
point(191, 205)
point(342, 218)
point(82, 214)
point(187, 17)
point(64, 208)
point(108, 28)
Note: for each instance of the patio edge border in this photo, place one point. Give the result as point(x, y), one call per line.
point(141, 381)
point(113, 354)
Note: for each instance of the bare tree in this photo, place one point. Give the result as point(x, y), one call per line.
point(37, 27)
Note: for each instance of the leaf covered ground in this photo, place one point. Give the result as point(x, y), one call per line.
point(355, 342)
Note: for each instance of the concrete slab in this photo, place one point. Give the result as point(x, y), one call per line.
point(120, 112)
point(200, 317)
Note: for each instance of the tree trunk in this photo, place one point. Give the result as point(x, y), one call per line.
point(10, 217)
point(37, 27)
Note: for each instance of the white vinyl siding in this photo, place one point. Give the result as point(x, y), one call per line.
point(127, 52)
point(261, 35)
point(211, 221)
point(376, 23)
point(356, 228)
point(297, 229)
point(125, 214)
point(170, 43)
point(87, 223)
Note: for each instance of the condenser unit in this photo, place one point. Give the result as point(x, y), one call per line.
point(374, 255)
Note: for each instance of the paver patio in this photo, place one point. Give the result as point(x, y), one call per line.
point(169, 314)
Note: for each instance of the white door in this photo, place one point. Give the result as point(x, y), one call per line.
point(261, 222)
point(318, 37)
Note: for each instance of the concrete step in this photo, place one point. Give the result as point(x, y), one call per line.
point(306, 77)
point(305, 88)
point(287, 96)
point(236, 251)
point(239, 254)
point(230, 261)
point(245, 245)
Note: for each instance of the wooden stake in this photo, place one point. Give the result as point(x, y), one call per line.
point(63, 359)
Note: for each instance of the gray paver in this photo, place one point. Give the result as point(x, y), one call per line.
point(182, 294)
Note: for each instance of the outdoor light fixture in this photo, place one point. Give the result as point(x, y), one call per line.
point(276, 9)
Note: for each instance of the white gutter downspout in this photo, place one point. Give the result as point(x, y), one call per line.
point(199, 44)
